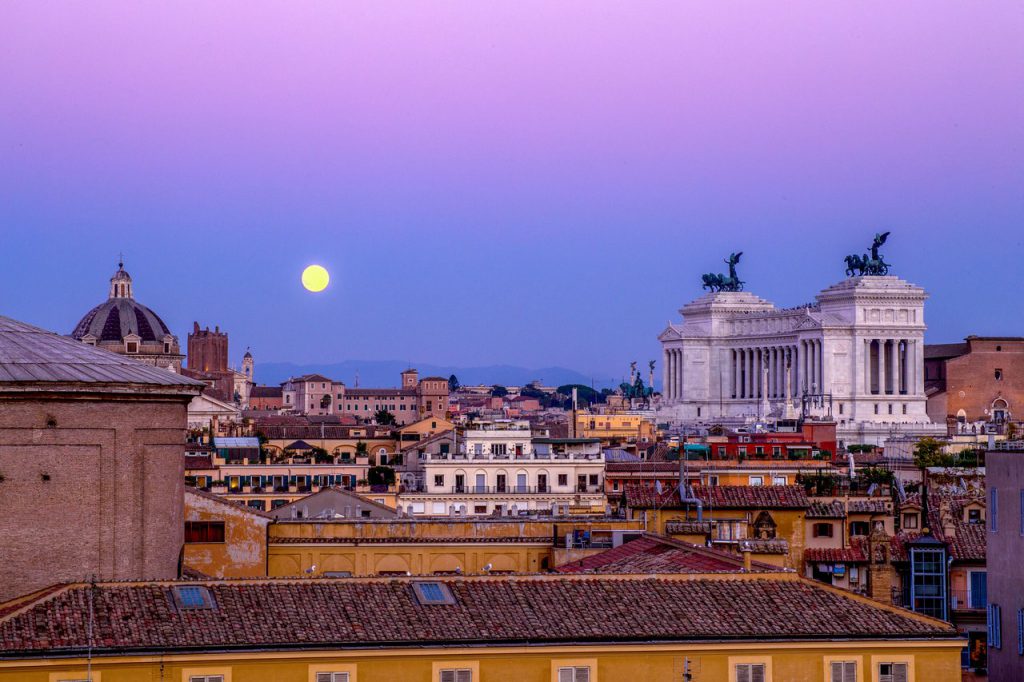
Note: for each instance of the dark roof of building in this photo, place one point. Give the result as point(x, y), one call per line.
point(116, 318)
point(30, 355)
point(826, 510)
point(721, 496)
point(835, 555)
point(869, 506)
point(265, 392)
point(966, 541)
point(652, 554)
point(941, 351)
point(319, 614)
point(308, 378)
point(321, 498)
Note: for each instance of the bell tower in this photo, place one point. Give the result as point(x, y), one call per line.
point(247, 365)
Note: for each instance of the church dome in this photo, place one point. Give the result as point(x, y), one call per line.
point(121, 315)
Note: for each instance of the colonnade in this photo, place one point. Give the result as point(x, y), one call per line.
point(776, 371)
point(890, 366)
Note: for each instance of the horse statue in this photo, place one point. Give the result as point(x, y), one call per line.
point(872, 264)
point(711, 281)
point(720, 282)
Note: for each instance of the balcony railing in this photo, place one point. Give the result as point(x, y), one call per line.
point(963, 600)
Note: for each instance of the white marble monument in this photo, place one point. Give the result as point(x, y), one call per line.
point(856, 354)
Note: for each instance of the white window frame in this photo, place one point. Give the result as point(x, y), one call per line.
point(574, 673)
point(332, 676)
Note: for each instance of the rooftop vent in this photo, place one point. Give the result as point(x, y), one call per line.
point(428, 593)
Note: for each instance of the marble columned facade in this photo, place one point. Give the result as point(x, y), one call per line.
point(856, 354)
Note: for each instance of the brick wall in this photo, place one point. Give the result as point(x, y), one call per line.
point(974, 375)
point(90, 487)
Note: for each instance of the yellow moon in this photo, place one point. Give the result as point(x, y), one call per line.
point(315, 278)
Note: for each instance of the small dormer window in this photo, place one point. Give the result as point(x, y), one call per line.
point(192, 597)
point(910, 521)
point(167, 347)
point(131, 347)
point(428, 593)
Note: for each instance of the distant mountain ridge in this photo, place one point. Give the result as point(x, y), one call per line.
point(385, 373)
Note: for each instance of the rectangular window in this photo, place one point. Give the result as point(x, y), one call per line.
point(823, 530)
point(204, 531)
point(843, 671)
point(759, 450)
point(778, 480)
point(563, 480)
point(574, 674)
point(332, 677)
point(757, 480)
point(1020, 632)
point(741, 451)
point(439, 480)
point(776, 451)
point(995, 622)
point(456, 675)
point(909, 521)
point(206, 678)
point(993, 509)
point(750, 672)
point(892, 672)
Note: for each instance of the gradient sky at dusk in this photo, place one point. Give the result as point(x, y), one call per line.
point(531, 183)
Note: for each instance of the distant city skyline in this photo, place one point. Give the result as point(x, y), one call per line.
point(533, 185)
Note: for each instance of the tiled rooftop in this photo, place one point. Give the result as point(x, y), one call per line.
point(652, 554)
point(826, 510)
point(721, 496)
point(335, 613)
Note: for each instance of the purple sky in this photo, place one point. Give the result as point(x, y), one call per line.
point(529, 183)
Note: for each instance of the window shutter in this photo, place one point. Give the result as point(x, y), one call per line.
point(899, 672)
point(447, 676)
point(757, 673)
point(582, 674)
point(837, 672)
point(467, 676)
point(743, 673)
point(849, 671)
point(565, 675)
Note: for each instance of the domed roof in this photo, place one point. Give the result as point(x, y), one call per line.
point(121, 315)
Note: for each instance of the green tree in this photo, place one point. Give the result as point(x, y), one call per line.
point(585, 394)
point(325, 402)
point(380, 475)
point(453, 383)
point(498, 391)
point(321, 456)
point(384, 418)
point(361, 450)
point(929, 453)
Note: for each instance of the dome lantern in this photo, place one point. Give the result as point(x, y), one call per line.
point(121, 283)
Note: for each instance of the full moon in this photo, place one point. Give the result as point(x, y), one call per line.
point(315, 278)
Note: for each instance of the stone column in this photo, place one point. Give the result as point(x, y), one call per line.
point(664, 373)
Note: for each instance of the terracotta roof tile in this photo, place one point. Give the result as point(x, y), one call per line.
point(319, 613)
point(652, 554)
point(721, 496)
point(826, 510)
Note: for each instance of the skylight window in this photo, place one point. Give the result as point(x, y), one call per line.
point(432, 593)
point(193, 597)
